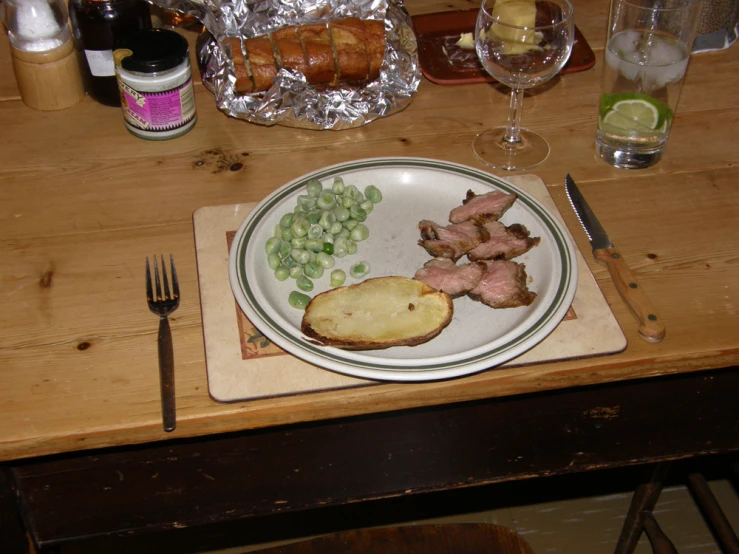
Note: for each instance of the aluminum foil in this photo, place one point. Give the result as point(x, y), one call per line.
point(291, 101)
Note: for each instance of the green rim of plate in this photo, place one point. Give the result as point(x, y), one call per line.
point(565, 282)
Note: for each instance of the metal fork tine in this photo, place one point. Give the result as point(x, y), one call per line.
point(175, 284)
point(157, 284)
point(149, 292)
point(167, 295)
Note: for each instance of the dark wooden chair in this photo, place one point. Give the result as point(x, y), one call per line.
point(451, 538)
point(641, 519)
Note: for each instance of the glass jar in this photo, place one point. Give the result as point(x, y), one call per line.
point(155, 82)
point(98, 25)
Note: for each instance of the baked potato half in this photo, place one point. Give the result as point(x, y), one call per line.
point(377, 313)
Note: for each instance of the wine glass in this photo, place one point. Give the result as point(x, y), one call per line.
point(520, 43)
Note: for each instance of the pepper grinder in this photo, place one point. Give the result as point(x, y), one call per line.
point(44, 58)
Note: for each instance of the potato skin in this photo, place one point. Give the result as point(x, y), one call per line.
point(396, 290)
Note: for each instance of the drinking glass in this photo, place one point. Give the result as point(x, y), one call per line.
point(647, 53)
point(521, 44)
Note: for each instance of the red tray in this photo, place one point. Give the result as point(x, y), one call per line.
point(445, 63)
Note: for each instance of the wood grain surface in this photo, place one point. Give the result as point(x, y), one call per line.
point(82, 202)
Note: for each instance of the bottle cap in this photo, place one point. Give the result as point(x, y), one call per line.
point(153, 50)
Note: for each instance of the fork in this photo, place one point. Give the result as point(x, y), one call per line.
point(163, 305)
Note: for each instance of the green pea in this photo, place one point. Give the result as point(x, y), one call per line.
point(347, 201)
point(307, 202)
point(359, 270)
point(338, 186)
point(328, 247)
point(341, 213)
point(373, 194)
point(359, 233)
point(351, 247)
point(326, 200)
point(315, 231)
point(272, 245)
point(367, 206)
point(327, 219)
point(286, 220)
point(313, 270)
point(338, 276)
point(313, 187)
point(300, 255)
point(314, 245)
point(336, 228)
point(282, 272)
point(303, 283)
point(273, 260)
point(296, 271)
point(313, 217)
point(324, 260)
point(299, 227)
point(357, 212)
point(340, 247)
point(285, 248)
point(298, 300)
point(351, 192)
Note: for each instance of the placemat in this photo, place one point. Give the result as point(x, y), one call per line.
point(445, 63)
point(242, 364)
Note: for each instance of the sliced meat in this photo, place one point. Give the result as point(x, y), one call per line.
point(504, 242)
point(444, 275)
point(503, 285)
point(452, 241)
point(482, 208)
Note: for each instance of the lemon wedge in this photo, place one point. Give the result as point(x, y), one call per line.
point(514, 26)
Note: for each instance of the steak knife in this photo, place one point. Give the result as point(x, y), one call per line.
point(651, 327)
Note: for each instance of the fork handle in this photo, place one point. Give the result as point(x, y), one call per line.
point(166, 374)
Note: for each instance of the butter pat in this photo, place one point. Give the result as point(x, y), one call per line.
point(466, 41)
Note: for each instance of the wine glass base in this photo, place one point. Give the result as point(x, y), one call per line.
point(491, 148)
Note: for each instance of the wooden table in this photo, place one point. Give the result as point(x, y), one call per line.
point(83, 203)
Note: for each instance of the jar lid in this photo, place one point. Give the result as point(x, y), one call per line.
point(153, 50)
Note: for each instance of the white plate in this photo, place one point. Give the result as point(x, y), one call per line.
point(413, 189)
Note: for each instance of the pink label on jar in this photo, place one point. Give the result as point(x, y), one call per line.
point(158, 111)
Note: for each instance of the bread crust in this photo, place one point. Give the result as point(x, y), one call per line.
point(374, 31)
point(348, 40)
point(288, 50)
point(316, 43)
point(341, 51)
point(244, 83)
point(261, 62)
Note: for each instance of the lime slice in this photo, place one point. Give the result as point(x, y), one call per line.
point(638, 113)
point(634, 111)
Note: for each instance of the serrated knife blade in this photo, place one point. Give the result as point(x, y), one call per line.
point(651, 327)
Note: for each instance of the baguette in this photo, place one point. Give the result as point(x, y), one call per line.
point(377, 313)
point(341, 51)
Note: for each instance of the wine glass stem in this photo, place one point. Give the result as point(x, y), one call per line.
point(513, 129)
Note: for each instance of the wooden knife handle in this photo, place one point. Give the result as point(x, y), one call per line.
point(651, 327)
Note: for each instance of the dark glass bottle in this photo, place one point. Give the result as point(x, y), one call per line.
point(98, 25)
